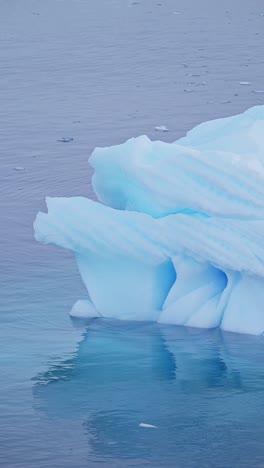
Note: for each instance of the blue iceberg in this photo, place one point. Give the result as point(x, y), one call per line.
point(177, 234)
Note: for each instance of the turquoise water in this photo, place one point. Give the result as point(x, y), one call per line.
point(73, 394)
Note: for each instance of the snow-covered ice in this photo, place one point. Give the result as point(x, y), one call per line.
point(177, 235)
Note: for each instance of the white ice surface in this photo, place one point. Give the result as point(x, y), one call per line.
point(179, 236)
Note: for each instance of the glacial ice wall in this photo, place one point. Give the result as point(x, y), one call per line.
point(178, 233)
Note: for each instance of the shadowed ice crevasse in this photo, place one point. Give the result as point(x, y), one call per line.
point(177, 234)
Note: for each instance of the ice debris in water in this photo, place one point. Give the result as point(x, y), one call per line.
point(65, 139)
point(19, 168)
point(245, 83)
point(149, 426)
point(177, 234)
point(162, 128)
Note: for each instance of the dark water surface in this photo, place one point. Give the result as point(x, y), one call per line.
point(101, 72)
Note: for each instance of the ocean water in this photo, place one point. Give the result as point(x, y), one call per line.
point(74, 394)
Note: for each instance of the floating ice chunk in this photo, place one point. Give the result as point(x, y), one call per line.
point(179, 236)
point(162, 128)
point(149, 426)
point(173, 269)
point(65, 139)
point(19, 168)
point(245, 83)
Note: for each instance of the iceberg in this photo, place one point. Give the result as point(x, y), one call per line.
point(177, 233)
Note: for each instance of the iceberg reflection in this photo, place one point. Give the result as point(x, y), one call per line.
point(123, 374)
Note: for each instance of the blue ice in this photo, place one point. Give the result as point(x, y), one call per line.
point(177, 233)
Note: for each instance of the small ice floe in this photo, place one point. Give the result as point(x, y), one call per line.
point(148, 426)
point(225, 102)
point(187, 90)
point(258, 91)
point(162, 128)
point(244, 83)
point(65, 139)
point(176, 13)
point(19, 168)
point(203, 83)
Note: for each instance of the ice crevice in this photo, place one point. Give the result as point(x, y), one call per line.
point(177, 234)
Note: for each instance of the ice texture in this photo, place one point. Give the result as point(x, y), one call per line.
point(177, 235)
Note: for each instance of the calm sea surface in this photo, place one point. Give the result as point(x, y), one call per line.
point(73, 394)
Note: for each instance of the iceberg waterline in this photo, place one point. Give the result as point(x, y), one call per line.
point(178, 233)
